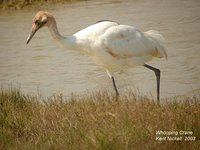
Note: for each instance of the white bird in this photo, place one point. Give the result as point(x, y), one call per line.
point(112, 46)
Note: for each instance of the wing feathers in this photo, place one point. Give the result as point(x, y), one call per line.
point(158, 41)
point(124, 41)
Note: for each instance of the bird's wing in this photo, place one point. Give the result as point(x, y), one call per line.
point(124, 41)
point(95, 30)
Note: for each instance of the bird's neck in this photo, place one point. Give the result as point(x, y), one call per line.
point(68, 42)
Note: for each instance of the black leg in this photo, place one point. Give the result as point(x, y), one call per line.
point(115, 87)
point(157, 73)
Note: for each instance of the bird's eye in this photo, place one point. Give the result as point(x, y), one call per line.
point(37, 22)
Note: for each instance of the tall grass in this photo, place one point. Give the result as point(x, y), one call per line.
point(20, 4)
point(94, 121)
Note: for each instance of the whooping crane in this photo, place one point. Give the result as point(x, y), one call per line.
point(111, 45)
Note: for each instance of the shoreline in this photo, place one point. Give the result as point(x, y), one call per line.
point(28, 4)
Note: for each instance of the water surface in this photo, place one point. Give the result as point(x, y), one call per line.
point(43, 66)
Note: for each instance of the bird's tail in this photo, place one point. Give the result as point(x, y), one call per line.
point(158, 41)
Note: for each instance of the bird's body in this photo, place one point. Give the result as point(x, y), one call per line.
point(111, 45)
point(116, 47)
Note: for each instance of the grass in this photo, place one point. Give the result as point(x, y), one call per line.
point(20, 4)
point(95, 121)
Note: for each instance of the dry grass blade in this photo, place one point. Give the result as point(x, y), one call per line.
point(94, 121)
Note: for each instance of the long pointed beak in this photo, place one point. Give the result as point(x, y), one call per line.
point(32, 33)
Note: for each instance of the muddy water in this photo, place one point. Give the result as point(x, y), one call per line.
point(43, 66)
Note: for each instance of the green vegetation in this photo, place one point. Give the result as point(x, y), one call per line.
point(95, 121)
point(20, 4)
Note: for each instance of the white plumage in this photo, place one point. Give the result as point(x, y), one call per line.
point(111, 45)
point(116, 47)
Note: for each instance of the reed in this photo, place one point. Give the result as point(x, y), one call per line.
point(95, 121)
point(20, 4)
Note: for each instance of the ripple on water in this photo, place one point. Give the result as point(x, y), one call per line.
point(43, 65)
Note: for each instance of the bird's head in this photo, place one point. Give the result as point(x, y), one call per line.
point(40, 20)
